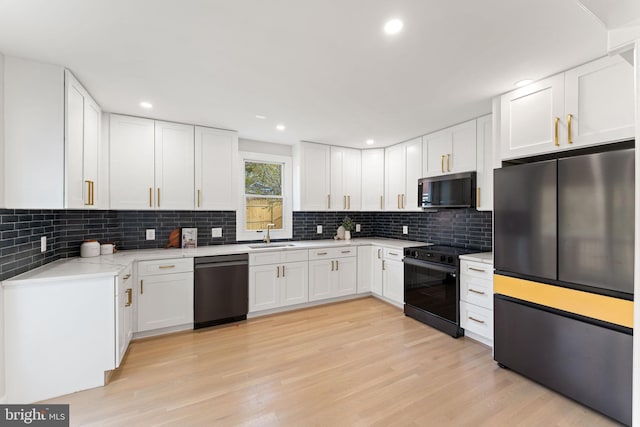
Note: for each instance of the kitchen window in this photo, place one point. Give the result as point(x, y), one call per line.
point(266, 197)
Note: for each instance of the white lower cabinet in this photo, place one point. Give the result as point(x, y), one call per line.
point(381, 272)
point(165, 298)
point(393, 280)
point(124, 319)
point(476, 300)
point(278, 279)
point(332, 273)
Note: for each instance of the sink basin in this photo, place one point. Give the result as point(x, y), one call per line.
point(270, 245)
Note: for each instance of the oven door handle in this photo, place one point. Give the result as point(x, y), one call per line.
point(430, 265)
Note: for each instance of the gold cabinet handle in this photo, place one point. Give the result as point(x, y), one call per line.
point(129, 297)
point(442, 163)
point(88, 202)
point(476, 292)
point(556, 135)
point(93, 193)
point(448, 162)
point(379, 253)
point(150, 197)
point(283, 271)
point(167, 266)
point(403, 201)
point(475, 320)
point(337, 265)
point(328, 201)
point(398, 201)
point(393, 253)
point(569, 117)
point(383, 265)
point(158, 196)
point(477, 269)
point(381, 205)
point(321, 253)
point(278, 271)
point(345, 252)
point(141, 287)
point(344, 202)
point(198, 198)
point(478, 197)
point(126, 277)
point(349, 202)
point(332, 267)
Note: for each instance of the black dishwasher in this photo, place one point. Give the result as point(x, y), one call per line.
point(221, 289)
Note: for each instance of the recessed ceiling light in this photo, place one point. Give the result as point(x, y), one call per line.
point(393, 26)
point(523, 82)
point(370, 141)
point(260, 116)
point(280, 127)
point(145, 104)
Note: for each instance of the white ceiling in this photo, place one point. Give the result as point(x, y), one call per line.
point(324, 68)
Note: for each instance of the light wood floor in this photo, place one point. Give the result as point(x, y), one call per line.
point(355, 363)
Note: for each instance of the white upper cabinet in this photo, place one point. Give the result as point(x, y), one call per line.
point(33, 168)
point(484, 176)
point(588, 105)
point(450, 150)
point(403, 169)
point(132, 165)
point(531, 118)
point(345, 178)
point(314, 171)
point(82, 145)
point(216, 174)
point(372, 180)
point(174, 161)
point(599, 101)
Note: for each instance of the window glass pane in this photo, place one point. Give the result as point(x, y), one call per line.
point(263, 178)
point(261, 211)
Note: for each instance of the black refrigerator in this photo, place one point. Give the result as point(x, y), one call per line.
point(567, 223)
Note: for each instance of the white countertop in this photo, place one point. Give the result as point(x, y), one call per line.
point(112, 265)
point(485, 257)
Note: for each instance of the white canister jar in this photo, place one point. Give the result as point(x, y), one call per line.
point(89, 248)
point(106, 249)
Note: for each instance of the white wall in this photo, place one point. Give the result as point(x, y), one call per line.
point(252, 146)
point(2, 386)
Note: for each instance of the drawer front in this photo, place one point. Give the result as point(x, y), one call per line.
point(264, 258)
point(165, 266)
point(325, 253)
point(295, 256)
point(476, 291)
point(476, 319)
point(392, 254)
point(345, 252)
point(476, 269)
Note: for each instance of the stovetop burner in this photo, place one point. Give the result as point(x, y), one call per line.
point(440, 254)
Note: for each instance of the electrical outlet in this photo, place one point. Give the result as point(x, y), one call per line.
point(319, 229)
point(216, 232)
point(405, 229)
point(357, 228)
point(151, 234)
point(43, 244)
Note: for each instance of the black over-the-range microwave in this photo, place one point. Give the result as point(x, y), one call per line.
point(448, 191)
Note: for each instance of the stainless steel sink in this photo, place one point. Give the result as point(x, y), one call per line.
point(270, 245)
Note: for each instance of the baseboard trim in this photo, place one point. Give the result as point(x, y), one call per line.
point(162, 331)
point(306, 305)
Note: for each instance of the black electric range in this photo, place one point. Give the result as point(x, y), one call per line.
point(432, 286)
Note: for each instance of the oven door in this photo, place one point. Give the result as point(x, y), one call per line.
point(432, 288)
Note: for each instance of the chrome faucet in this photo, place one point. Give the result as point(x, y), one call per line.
point(267, 237)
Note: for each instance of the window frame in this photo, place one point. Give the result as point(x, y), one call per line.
point(242, 234)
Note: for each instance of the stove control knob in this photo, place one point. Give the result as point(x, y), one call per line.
point(450, 260)
point(442, 258)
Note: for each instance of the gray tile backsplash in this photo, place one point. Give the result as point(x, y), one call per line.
point(21, 230)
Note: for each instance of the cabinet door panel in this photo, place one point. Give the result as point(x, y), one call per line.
point(315, 185)
point(376, 279)
point(132, 167)
point(352, 176)
point(216, 169)
point(484, 170)
point(365, 268)
point(320, 280)
point(434, 149)
point(294, 284)
point(174, 173)
point(346, 273)
point(413, 174)
point(599, 96)
point(393, 281)
point(528, 118)
point(263, 288)
point(165, 301)
point(75, 187)
point(338, 193)
point(372, 180)
point(92, 121)
point(394, 175)
point(463, 148)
